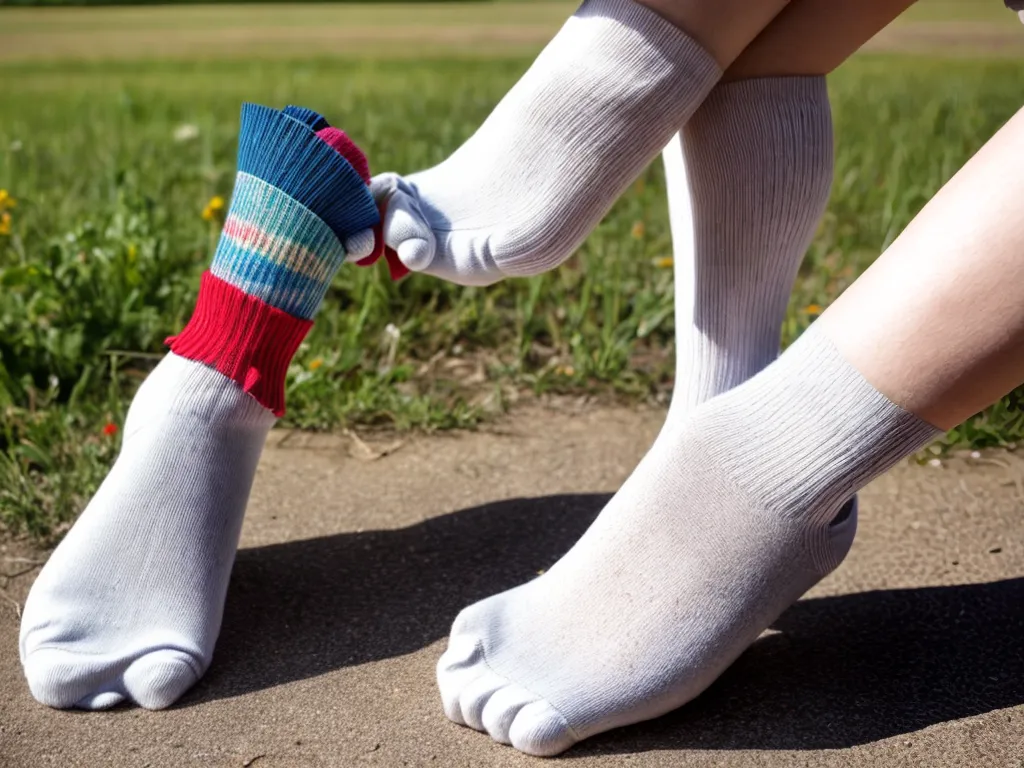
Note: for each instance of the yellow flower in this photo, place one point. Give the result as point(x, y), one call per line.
point(665, 262)
point(214, 209)
point(638, 230)
point(812, 309)
point(565, 370)
point(316, 363)
point(5, 223)
point(6, 201)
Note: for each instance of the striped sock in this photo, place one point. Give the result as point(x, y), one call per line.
point(129, 605)
point(297, 197)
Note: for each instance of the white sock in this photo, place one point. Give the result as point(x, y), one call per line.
point(129, 606)
point(724, 524)
point(748, 180)
point(152, 553)
point(523, 192)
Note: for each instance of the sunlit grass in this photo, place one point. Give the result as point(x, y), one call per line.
point(108, 238)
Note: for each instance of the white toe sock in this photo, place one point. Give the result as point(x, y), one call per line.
point(723, 526)
point(748, 180)
point(129, 605)
point(140, 617)
point(598, 104)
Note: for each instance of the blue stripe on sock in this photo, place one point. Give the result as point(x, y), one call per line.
point(276, 213)
point(284, 152)
point(307, 116)
point(276, 249)
point(258, 276)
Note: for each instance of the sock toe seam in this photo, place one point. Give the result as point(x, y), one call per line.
point(540, 697)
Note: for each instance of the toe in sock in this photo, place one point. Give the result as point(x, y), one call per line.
point(596, 107)
point(725, 523)
point(129, 605)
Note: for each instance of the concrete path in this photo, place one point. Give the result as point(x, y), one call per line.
point(352, 569)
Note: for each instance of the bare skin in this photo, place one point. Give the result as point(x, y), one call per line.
point(937, 323)
point(813, 37)
point(722, 27)
point(776, 37)
point(947, 282)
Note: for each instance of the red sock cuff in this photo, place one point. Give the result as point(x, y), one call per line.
point(244, 338)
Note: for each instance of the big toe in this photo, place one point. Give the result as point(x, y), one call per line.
point(158, 679)
point(64, 679)
point(61, 679)
point(540, 729)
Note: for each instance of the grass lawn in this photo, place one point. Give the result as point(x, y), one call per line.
point(118, 125)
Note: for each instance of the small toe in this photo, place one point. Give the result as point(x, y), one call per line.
point(501, 710)
point(539, 729)
point(158, 679)
point(100, 700)
point(457, 668)
point(474, 697)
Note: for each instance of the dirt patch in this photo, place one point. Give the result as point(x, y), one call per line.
point(950, 38)
point(279, 42)
point(357, 33)
point(354, 563)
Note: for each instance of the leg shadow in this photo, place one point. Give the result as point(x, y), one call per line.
point(848, 670)
point(836, 672)
point(301, 609)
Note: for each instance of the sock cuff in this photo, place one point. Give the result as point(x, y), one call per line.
point(314, 120)
point(339, 141)
point(242, 337)
point(816, 419)
point(774, 90)
point(792, 112)
point(660, 35)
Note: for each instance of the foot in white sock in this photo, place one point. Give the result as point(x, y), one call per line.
point(152, 553)
point(725, 523)
point(520, 195)
point(129, 605)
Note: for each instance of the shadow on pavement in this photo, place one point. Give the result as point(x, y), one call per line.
point(853, 669)
point(838, 671)
point(300, 609)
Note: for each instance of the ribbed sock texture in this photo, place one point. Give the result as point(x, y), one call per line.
point(520, 195)
point(129, 606)
point(244, 339)
point(720, 528)
point(275, 249)
point(307, 116)
point(297, 198)
point(748, 181)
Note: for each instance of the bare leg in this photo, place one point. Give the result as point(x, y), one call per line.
point(723, 27)
point(813, 37)
point(937, 323)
